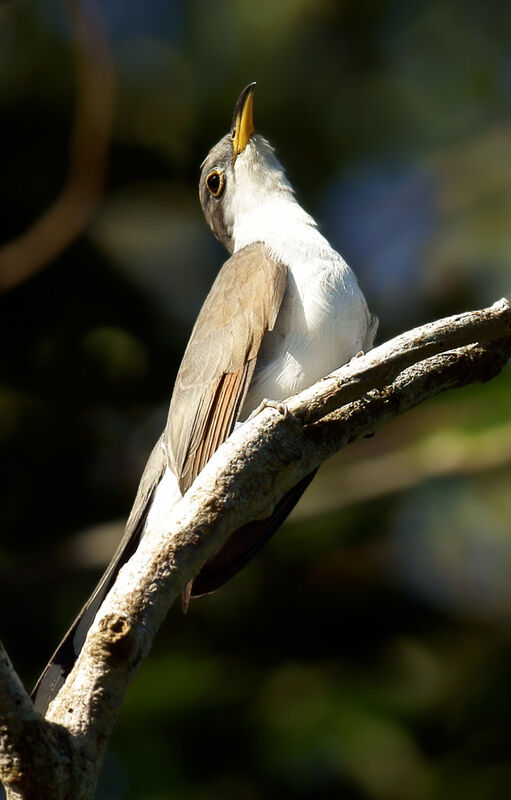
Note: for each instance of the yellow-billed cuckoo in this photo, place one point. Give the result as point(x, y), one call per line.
point(284, 311)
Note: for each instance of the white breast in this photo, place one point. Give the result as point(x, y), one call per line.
point(323, 320)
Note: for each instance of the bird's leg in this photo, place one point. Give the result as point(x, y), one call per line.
point(185, 596)
point(266, 403)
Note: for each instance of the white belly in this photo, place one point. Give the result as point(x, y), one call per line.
point(323, 322)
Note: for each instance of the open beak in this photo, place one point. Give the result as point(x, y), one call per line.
point(242, 120)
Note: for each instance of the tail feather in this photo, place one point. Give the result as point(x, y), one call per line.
point(62, 661)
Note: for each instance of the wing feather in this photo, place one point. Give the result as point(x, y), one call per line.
point(220, 358)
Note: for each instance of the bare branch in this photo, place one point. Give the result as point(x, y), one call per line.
point(29, 746)
point(381, 365)
point(258, 464)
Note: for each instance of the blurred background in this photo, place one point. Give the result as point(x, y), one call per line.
point(366, 653)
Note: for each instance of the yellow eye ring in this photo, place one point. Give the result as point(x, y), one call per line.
point(215, 182)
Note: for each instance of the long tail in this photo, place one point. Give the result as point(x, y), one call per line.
point(67, 652)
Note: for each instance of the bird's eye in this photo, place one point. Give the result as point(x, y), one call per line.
point(215, 182)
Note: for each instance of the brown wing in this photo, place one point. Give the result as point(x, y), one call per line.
point(220, 358)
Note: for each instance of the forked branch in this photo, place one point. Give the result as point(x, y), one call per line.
point(259, 463)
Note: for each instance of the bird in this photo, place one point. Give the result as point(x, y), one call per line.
point(284, 311)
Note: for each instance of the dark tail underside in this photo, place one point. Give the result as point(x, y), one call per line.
point(245, 543)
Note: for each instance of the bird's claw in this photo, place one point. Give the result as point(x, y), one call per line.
point(280, 407)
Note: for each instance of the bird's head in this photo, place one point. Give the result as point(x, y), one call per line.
point(240, 174)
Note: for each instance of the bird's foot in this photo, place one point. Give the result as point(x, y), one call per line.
point(280, 407)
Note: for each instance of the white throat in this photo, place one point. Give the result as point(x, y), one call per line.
point(262, 206)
